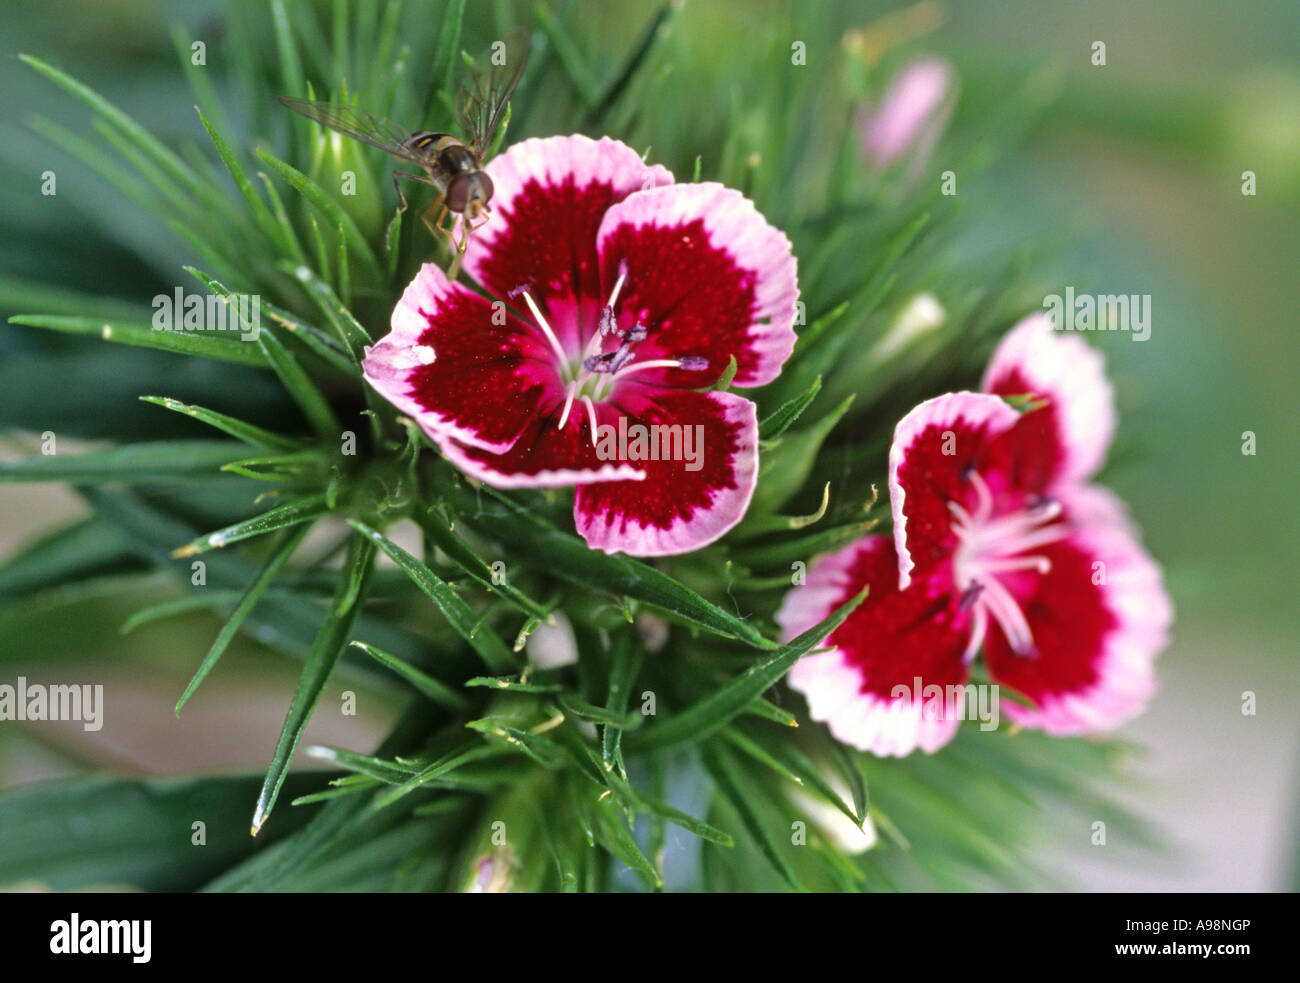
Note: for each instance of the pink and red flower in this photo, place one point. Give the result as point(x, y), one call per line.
point(1000, 545)
point(609, 292)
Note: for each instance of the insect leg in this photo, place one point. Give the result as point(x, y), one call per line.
point(402, 198)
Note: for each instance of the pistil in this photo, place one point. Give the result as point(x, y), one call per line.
point(989, 547)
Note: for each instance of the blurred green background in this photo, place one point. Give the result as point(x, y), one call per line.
point(1130, 182)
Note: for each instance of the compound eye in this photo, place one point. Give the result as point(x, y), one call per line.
point(458, 193)
point(485, 188)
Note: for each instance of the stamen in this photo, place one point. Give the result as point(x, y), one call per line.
point(1040, 538)
point(568, 404)
point(985, 498)
point(663, 363)
point(1040, 563)
point(1009, 617)
point(970, 595)
point(545, 328)
point(979, 629)
point(608, 320)
point(989, 547)
point(962, 515)
point(591, 417)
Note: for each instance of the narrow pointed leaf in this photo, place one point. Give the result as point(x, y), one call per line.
point(733, 787)
point(329, 208)
point(687, 822)
point(571, 559)
point(438, 692)
point(459, 551)
point(715, 711)
point(614, 835)
point(247, 432)
point(221, 346)
point(304, 392)
point(171, 460)
point(786, 467)
point(290, 514)
point(330, 641)
point(293, 538)
point(482, 638)
point(775, 424)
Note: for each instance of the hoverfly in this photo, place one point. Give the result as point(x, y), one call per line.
point(452, 166)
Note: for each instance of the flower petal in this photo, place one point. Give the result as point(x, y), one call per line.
point(1067, 439)
point(549, 197)
point(1099, 618)
point(935, 445)
point(891, 640)
point(546, 456)
point(676, 509)
point(708, 276)
point(460, 367)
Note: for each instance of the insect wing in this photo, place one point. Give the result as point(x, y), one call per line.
point(486, 92)
point(358, 124)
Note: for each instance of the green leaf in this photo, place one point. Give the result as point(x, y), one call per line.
point(541, 749)
point(289, 514)
point(103, 834)
point(330, 209)
point(714, 711)
point(686, 821)
point(439, 769)
point(487, 643)
point(304, 392)
point(216, 345)
point(786, 467)
point(818, 348)
point(732, 786)
point(776, 423)
point(570, 58)
point(170, 460)
point(512, 685)
point(597, 715)
point(147, 144)
point(625, 663)
point(440, 693)
point(797, 765)
point(612, 832)
point(651, 36)
point(388, 772)
point(444, 56)
point(205, 601)
point(305, 466)
point(286, 46)
point(262, 214)
point(350, 333)
point(330, 830)
point(764, 524)
point(569, 558)
point(292, 539)
point(442, 536)
point(803, 547)
point(330, 641)
point(247, 432)
point(770, 711)
point(73, 552)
